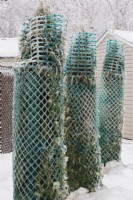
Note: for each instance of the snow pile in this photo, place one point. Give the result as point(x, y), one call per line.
point(117, 182)
point(105, 194)
point(118, 185)
point(6, 183)
point(118, 179)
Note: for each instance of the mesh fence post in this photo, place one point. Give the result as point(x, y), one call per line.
point(39, 150)
point(6, 84)
point(111, 102)
point(82, 138)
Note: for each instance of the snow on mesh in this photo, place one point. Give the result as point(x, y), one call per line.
point(80, 114)
point(110, 102)
point(39, 150)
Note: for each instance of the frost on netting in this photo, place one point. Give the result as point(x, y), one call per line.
point(39, 150)
point(111, 102)
point(6, 95)
point(80, 124)
point(24, 41)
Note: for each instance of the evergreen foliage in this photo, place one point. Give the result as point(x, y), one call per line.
point(81, 133)
point(111, 102)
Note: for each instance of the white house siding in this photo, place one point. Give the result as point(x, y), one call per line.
point(128, 99)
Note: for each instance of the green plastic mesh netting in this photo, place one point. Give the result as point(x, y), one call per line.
point(39, 150)
point(80, 124)
point(6, 96)
point(111, 102)
point(24, 41)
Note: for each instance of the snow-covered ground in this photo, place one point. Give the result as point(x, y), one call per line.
point(6, 182)
point(118, 179)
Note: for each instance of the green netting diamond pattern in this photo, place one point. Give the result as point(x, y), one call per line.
point(82, 139)
point(39, 150)
point(111, 102)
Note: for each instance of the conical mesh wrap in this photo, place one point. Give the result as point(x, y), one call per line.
point(80, 124)
point(111, 102)
point(39, 150)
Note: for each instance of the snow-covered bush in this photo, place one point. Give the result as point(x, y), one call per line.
point(111, 102)
point(81, 133)
point(39, 150)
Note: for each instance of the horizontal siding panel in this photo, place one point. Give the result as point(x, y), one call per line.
point(127, 105)
point(128, 70)
point(128, 130)
point(101, 53)
point(103, 42)
point(127, 112)
point(101, 48)
point(99, 64)
point(128, 60)
point(127, 92)
point(128, 96)
point(130, 137)
point(127, 48)
point(127, 115)
point(98, 75)
point(128, 74)
point(99, 71)
point(128, 109)
point(101, 57)
point(128, 51)
point(127, 121)
point(127, 87)
point(128, 63)
point(100, 61)
point(129, 79)
point(128, 101)
point(129, 124)
point(128, 82)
